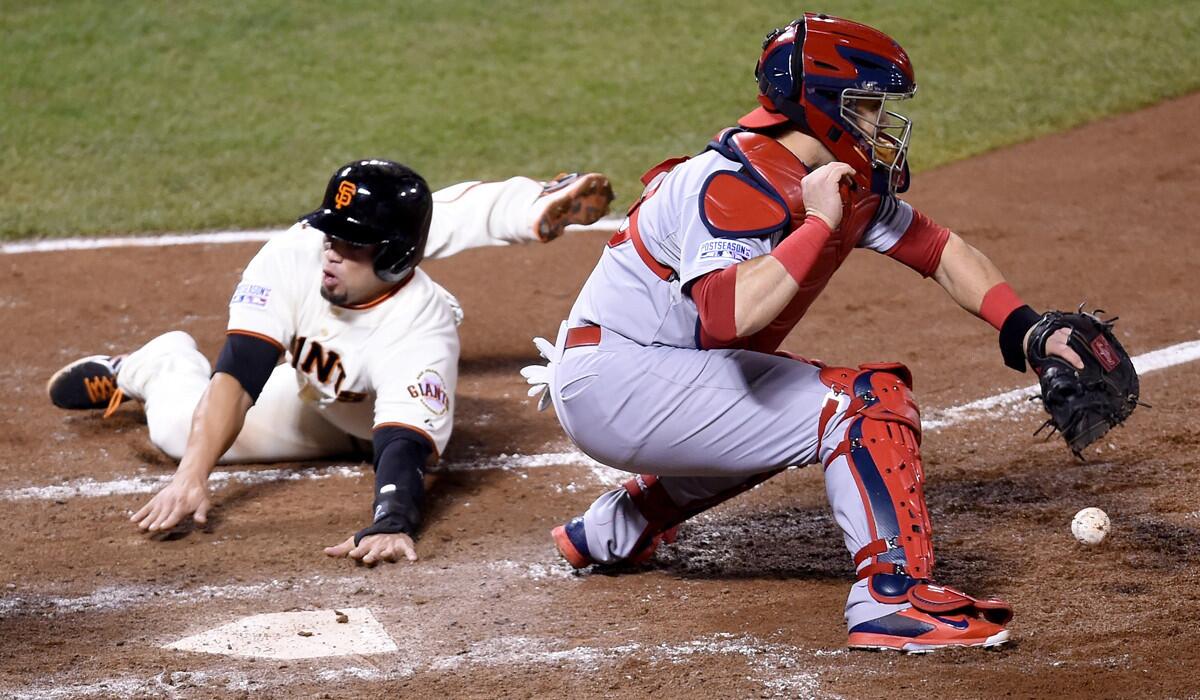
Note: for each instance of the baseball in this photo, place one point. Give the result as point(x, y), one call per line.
point(1090, 526)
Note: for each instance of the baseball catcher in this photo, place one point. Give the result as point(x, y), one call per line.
point(669, 365)
point(368, 343)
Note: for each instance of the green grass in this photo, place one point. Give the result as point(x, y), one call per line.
point(128, 116)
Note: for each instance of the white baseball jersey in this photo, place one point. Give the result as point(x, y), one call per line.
point(391, 361)
point(624, 295)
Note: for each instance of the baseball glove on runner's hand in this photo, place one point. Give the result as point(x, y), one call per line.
point(1083, 404)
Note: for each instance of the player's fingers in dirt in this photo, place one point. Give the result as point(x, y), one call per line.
point(341, 550)
point(141, 513)
point(169, 518)
point(151, 512)
point(391, 547)
point(403, 547)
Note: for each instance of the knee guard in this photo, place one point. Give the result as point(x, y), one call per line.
point(663, 514)
point(660, 512)
point(882, 447)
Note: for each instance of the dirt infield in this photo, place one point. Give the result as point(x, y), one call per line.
point(748, 603)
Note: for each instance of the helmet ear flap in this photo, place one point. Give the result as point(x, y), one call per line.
point(779, 73)
point(775, 76)
point(395, 260)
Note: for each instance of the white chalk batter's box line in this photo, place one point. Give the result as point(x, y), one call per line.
point(1008, 403)
point(54, 600)
point(779, 668)
point(57, 245)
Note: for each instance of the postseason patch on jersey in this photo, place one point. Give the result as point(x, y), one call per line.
point(726, 249)
point(431, 391)
point(252, 294)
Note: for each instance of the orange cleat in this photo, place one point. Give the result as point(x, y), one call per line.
point(572, 545)
point(941, 617)
point(916, 632)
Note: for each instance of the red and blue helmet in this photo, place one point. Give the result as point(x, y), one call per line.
point(833, 79)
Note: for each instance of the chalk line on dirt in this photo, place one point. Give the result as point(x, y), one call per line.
point(779, 668)
point(57, 245)
point(1009, 404)
point(90, 488)
point(19, 601)
point(1018, 401)
point(146, 483)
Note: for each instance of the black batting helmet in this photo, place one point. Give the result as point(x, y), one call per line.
point(380, 203)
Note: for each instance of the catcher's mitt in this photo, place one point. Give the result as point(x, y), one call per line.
point(1083, 404)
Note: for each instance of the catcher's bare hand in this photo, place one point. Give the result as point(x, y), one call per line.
point(182, 497)
point(1056, 344)
point(373, 549)
point(822, 194)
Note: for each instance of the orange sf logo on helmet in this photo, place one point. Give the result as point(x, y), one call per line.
point(345, 194)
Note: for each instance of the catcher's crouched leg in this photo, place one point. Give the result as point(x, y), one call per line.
point(629, 523)
point(876, 486)
point(633, 514)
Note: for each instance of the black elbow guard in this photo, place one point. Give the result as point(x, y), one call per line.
point(248, 359)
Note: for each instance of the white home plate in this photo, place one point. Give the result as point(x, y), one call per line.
point(294, 635)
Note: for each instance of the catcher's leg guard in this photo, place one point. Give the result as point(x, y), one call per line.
point(644, 513)
point(893, 549)
point(882, 447)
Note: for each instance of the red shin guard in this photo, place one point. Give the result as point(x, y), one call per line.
point(882, 448)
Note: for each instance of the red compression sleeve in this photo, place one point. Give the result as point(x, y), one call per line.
point(713, 294)
point(998, 303)
point(799, 251)
point(921, 245)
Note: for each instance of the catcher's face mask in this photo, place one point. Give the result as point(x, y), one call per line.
point(885, 132)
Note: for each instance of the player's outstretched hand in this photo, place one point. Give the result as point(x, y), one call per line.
point(182, 497)
point(822, 194)
point(373, 549)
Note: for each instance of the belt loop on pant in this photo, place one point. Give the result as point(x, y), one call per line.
point(581, 336)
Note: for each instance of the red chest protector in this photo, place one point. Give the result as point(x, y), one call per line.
point(735, 206)
point(775, 175)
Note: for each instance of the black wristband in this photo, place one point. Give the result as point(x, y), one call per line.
point(1012, 335)
point(387, 525)
point(400, 456)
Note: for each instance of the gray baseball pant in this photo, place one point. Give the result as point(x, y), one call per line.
point(704, 422)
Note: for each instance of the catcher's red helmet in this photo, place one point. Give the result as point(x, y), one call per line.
point(833, 78)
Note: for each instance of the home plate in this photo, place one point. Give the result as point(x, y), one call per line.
point(306, 634)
